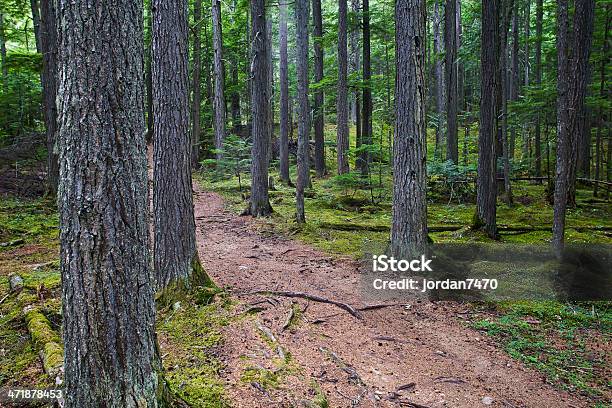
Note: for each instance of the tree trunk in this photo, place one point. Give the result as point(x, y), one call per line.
point(36, 22)
point(355, 69)
point(450, 44)
point(538, 75)
point(174, 251)
point(284, 97)
point(318, 114)
point(342, 134)
point(514, 80)
point(49, 77)
point(270, 83)
point(260, 203)
point(580, 77)
point(438, 80)
point(195, 85)
point(366, 127)
point(3, 54)
point(301, 28)
point(219, 96)
point(149, 74)
point(507, 10)
point(602, 113)
point(409, 226)
point(460, 64)
point(236, 118)
point(111, 355)
point(487, 187)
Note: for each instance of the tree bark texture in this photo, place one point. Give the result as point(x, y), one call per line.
point(342, 130)
point(318, 114)
point(409, 226)
point(366, 116)
point(301, 27)
point(487, 187)
point(260, 203)
point(538, 79)
point(284, 96)
point(174, 247)
point(111, 357)
point(438, 80)
point(356, 70)
point(196, 87)
point(450, 44)
point(218, 72)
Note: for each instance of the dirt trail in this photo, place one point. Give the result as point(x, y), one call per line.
point(356, 363)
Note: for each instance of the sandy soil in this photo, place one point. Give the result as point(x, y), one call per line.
point(415, 355)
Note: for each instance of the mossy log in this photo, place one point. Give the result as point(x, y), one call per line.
point(45, 340)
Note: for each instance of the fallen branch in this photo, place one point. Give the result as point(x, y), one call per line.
point(267, 333)
point(308, 296)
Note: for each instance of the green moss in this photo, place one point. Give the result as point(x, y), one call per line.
point(198, 282)
point(267, 379)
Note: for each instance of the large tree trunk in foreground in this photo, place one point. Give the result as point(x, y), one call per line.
point(409, 227)
point(196, 87)
point(49, 77)
point(301, 27)
point(487, 187)
point(342, 131)
point(283, 73)
point(111, 356)
point(450, 44)
point(218, 96)
point(175, 255)
point(318, 118)
point(260, 203)
point(571, 89)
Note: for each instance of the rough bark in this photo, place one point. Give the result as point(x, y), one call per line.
point(486, 196)
point(409, 225)
point(450, 45)
point(270, 89)
point(174, 251)
point(581, 38)
point(196, 88)
point(538, 79)
point(49, 79)
point(284, 96)
point(602, 113)
point(318, 112)
point(514, 70)
point(342, 130)
point(301, 28)
point(366, 116)
point(149, 74)
point(504, 82)
point(111, 355)
point(438, 79)
point(218, 95)
point(260, 203)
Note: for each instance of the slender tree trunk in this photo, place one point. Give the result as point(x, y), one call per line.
point(318, 114)
point(514, 82)
point(507, 10)
point(487, 186)
point(450, 44)
point(284, 96)
point(49, 79)
point(236, 118)
point(602, 113)
point(35, 6)
point(460, 64)
point(260, 203)
point(439, 80)
point(366, 128)
point(301, 27)
point(111, 356)
point(148, 73)
point(3, 54)
point(219, 96)
point(538, 78)
point(195, 85)
point(175, 257)
point(356, 69)
point(409, 226)
point(270, 121)
point(342, 135)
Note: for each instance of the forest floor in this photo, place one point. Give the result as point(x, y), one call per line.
point(294, 352)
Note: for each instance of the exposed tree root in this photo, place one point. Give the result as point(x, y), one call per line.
point(308, 296)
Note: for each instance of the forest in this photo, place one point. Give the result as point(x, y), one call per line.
point(194, 196)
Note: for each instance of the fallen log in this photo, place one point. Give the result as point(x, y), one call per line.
point(314, 298)
point(47, 341)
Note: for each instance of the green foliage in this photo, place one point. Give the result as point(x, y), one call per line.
point(235, 158)
point(448, 181)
